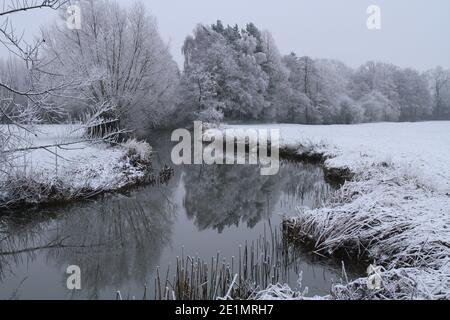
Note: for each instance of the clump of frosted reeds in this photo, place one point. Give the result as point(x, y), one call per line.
point(259, 264)
point(388, 216)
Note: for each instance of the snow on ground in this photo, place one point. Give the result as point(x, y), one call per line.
point(423, 147)
point(396, 209)
point(83, 165)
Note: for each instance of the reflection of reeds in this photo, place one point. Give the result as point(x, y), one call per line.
point(268, 260)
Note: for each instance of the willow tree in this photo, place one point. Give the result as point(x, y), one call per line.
point(117, 58)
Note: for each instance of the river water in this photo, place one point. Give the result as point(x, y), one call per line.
point(118, 240)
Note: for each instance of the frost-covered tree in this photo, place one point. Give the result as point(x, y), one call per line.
point(439, 81)
point(15, 74)
point(319, 86)
point(22, 95)
point(414, 97)
point(349, 111)
point(389, 93)
point(374, 85)
point(116, 58)
point(332, 79)
point(210, 73)
point(303, 102)
point(374, 76)
point(278, 90)
point(376, 107)
point(238, 73)
point(253, 80)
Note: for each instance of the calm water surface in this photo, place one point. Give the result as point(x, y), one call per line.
point(119, 240)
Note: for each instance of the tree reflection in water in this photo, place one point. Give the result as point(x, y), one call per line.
point(114, 240)
point(222, 196)
point(119, 239)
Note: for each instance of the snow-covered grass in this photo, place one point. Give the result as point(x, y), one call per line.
point(78, 168)
point(422, 147)
point(395, 211)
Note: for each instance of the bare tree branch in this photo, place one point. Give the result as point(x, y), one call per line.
point(25, 5)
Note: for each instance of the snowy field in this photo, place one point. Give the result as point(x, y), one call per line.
point(396, 210)
point(75, 165)
point(423, 147)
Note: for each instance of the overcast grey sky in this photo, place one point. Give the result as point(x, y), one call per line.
point(414, 33)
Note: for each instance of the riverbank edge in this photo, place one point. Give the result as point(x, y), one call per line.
point(401, 279)
point(133, 169)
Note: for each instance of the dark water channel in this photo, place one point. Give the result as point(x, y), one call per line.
point(118, 240)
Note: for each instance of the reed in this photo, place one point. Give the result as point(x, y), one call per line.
point(269, 260)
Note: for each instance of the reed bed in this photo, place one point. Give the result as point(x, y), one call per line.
point(388, 216)
point(259, 264)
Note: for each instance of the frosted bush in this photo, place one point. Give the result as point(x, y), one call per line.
point(140, 148)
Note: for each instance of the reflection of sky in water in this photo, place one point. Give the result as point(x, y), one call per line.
point(118, 240)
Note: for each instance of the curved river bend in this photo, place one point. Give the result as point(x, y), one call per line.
point(118, 240)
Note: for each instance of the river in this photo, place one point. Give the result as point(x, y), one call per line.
point(118, 240)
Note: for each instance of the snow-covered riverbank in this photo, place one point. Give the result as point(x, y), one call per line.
point(396, 209)
point(77, 168)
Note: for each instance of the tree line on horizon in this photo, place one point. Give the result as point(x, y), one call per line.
point(239, 74)
point(119, 60)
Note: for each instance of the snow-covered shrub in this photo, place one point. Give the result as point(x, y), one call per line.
point(398, 284)
point(33, 188)
point(141, 149)
point(278, 292)
point(39, 176)
point(282, 292)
